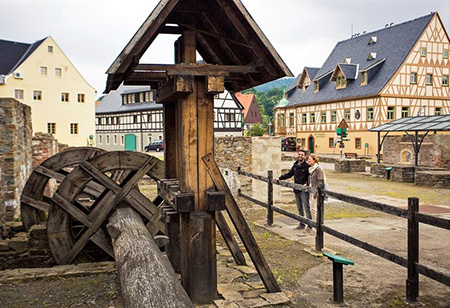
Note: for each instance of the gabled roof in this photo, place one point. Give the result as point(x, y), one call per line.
point(112, 103)
point(350, 71)
point(12, 54)
point(245, 100)
point(226, 34)
point(392, 47)
point(312, 71)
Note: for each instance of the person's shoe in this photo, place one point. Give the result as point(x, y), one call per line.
point(299, 227)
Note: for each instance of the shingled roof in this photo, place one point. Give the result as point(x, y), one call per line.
point(12, 54)
point(226, 34)
point(112, 103)
point(392, 46)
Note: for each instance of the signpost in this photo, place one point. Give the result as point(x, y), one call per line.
point(341, 132)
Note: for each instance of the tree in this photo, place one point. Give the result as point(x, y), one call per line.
point(255, 130)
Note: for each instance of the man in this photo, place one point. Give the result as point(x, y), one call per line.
point(301, 173)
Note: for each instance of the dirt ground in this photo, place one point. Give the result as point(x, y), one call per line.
point(304, 276)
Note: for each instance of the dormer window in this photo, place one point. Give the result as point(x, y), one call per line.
point(372, 56)
point(316, 86)
point(347, 60)
point(372, 40)
point(341, 82)
point(364, 78)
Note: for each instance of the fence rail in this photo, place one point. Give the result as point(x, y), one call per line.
point(411, 214)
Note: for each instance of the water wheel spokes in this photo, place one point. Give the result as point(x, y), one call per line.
point(34, 203)
point(125, 170)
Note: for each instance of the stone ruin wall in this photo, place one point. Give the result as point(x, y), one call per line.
point(15, 149)
point(252, 154)
point(434, 152)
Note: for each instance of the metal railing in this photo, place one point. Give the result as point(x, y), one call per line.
point(412, 215)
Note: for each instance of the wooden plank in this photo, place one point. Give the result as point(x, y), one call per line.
point(366, 246)
point(195, 69)
point(146, 277)
point(99, 237)
point(229, 239)
point(215, 84)
point(174, 87)
point(143, 37)
point(242, 227)
point(42, 206)
point(189, 54)
point(170, 112)
point(412, 281)
point(106, 204)
point(368, 204)
point(50, 173)
point(433, 221)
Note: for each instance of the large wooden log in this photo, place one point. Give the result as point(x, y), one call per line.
point(145, 274)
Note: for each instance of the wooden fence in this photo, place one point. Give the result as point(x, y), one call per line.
point(413, 216)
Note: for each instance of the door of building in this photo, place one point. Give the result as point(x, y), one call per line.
point(311, 144)
point(130, 142)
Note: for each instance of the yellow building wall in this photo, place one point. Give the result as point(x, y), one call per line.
point(50, 109)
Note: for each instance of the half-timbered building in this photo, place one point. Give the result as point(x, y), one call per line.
point(399, 71)
point(130, 118)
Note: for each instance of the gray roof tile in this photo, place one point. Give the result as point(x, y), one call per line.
point(12, 54)
point(405, 35)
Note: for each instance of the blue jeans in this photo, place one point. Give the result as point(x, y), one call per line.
point(302, 200)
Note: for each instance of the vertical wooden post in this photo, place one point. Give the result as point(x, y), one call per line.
point(412, 283)
point(269, 197)
point(172, 165)
point(320, 218)
point(196, 139)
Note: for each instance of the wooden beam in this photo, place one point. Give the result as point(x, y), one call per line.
point(242, 227)
point(215, 84)
point(175, 86)
point(198, 69)
point(145, 276)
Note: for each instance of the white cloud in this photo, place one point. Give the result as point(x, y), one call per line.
point(92, 33)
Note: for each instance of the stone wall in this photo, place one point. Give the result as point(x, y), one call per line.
point(2, 201)
point(15, 147)
point(266, 155)
point(434, 152)
point(252, 154)
point(25, 249)
point(231, 152)
point(44, 146)
point(433, 178)
point(350, 165)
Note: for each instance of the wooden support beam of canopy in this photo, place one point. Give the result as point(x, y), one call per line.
point(175, 86)
point(195, 69)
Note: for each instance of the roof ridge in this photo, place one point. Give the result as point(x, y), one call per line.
point(387, 28)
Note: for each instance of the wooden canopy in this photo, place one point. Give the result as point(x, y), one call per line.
point(227, 38)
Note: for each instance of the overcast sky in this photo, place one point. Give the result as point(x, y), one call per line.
point(92, 33)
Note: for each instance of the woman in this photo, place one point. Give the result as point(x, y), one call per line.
point(316, 179)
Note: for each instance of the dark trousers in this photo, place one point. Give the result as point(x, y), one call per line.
point(302, 200)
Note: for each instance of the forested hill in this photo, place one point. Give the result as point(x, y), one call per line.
point(281, 83)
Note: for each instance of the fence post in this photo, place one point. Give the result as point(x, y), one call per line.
point(319, 218)
point(269, 197)
point(412, 283)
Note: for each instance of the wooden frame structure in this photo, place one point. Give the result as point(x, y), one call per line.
point(237, 56)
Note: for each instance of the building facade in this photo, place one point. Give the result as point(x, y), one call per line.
point(41, 76)
point(368, 80)
point(129, 118)
point(252, 114)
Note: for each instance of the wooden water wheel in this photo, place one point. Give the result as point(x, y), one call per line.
point(34, 203)
point(76, 228)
